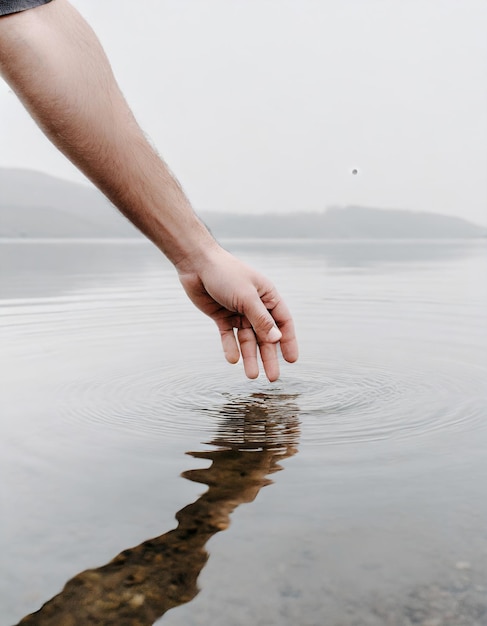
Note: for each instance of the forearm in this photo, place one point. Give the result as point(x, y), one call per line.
point(55, 63)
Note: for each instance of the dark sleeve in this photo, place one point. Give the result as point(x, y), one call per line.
point(14, 6)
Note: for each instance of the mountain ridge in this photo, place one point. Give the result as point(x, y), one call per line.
point(37, 205)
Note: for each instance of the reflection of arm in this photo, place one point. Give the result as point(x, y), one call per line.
point(142, 583)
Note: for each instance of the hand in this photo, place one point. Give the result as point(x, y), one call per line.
point(237, 297)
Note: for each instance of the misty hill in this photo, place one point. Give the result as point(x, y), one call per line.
point(33, 204)
point(351, 222)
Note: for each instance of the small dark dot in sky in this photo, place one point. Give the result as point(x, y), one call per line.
point(354, 172)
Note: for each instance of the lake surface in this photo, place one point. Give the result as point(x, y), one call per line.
point(110, 377)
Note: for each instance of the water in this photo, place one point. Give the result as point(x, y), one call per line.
point(109, 377)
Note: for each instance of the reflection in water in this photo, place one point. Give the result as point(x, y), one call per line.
point(142, 583)
point(364, 253)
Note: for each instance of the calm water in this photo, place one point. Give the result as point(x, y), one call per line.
point(109, 377)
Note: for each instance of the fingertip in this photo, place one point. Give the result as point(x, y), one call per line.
point(252, 375)
point(291, 356)
point(232, 358)
point(251, 368)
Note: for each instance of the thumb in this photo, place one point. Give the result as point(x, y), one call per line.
point(262, 321)
point(274, 335)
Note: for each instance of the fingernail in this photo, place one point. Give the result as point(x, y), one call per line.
point(274, 334)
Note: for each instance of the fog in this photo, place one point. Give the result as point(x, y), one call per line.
point(269, 105)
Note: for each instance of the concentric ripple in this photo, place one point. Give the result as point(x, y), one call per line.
point(348, 402)
point(335, 402)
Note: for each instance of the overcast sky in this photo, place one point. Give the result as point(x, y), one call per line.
point(268, 105)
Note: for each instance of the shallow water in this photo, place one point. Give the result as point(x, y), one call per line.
point(109, 377)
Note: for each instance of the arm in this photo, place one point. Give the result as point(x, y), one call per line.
point(55, 63)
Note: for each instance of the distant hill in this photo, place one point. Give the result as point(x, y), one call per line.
point(33, 204)
point(350, 222)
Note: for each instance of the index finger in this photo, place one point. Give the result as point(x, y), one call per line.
point(284, 321)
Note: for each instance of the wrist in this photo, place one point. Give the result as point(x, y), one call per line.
point(194, 249)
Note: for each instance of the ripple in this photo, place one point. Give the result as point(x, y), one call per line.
point(336, 402)
point(220, 404)
point(371, 402)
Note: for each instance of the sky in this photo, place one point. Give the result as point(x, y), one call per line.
point(269, 105)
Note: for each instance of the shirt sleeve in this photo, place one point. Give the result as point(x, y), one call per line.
point(14, 6)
